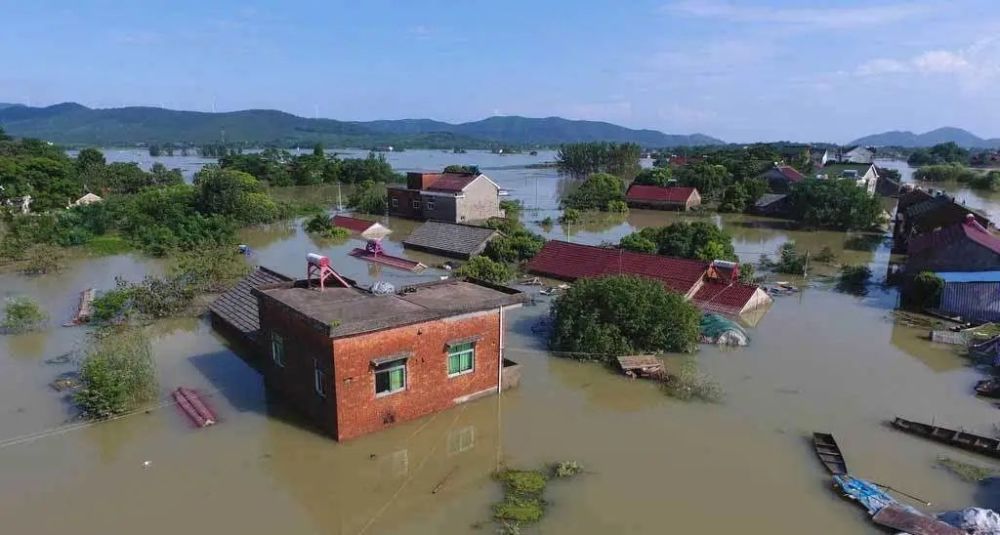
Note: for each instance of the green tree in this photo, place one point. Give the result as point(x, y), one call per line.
point(368, 197)
point(698, 240)
point(708, 179)
point(941, 153)
point(117, 374)
point(462, 169)
point(583, 159)
point(595, 193)
point(656, 176)
point(601, 318)
point(486, 269)
point(835, 204)
point(234, 194)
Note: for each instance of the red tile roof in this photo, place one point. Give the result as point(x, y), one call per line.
point(351, 223)
point(571, 261)
point(637, 192)
point(969, 229)
point(791, 173)
point(725, 298)
point(452, 182)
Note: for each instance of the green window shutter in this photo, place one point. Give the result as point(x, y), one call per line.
point(454, 363)
point(396, 379)
point(466, 363)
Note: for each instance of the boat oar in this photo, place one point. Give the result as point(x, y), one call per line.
point(912, 497)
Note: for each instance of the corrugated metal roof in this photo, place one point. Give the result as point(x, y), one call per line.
point(639, 192)
point(351, 223)
point(970, 276)
point(448, 239)
point(571, 261)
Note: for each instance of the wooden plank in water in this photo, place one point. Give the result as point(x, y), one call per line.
point(906, 520)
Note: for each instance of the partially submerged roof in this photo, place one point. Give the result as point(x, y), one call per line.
point(726, 298)
point(674, 194)
point(837, 170)
point(449, 239)
point(768, 199)
point(351, 223)
point(350, 311)
point(970, 229)
point(238, 307)
point(571, 261)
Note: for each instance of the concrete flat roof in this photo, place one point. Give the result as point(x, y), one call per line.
point(350, 311)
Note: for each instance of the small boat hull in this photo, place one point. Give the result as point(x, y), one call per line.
point(829, 454)
point(959, 439)
point(989, 388)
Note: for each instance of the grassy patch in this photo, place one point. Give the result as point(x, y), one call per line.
point(564, 469)
point(117, 374)
point(523, 501)
point(108, 245)
point(689, 384)
point(966, 471)
point(21, 315)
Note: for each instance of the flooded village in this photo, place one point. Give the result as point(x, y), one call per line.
point(284, 365)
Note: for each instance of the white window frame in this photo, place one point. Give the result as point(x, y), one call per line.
point(395, 202)
point(319, 379)
point(430, 203)
point(447, 360)
point(401, 365)
point(278, 349)
point(415, 204)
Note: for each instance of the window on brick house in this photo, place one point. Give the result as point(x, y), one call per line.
point(319, 379)
point(278, 349)
point(430, 204)
point(395, 202)
point(461, 358)
point(416, 204)
point(390, 377)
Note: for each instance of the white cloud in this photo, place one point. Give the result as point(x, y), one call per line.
point(972, 66)
point(831, 17)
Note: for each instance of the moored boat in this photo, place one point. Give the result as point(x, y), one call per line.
point(829, 453)
point(951, 437)
point(989, 388)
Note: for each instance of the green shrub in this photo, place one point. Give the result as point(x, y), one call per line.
point(516, 245)
point(21, 315)
point(108, 245)
point(617, 207)
point(689, 384)
point(563, 469)
point(602, 318)
point(698, 240)
point(111, 304)
point(519, 510)
point(596, 193)
point(826, 256)
point(369, 197)
point(522, 501)
point(854, 277)
point(42, 259)
point(486, 269)
point(117, 374)
point(790, 260)
point(320, 225)
point(924, 291)
point(570, 216)
point(210, 270)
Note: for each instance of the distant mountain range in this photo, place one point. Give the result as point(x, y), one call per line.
point(72, 123)
point(897, 138)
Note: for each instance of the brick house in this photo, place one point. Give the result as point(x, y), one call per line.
point(450, 197)
point(920, 211)
point(355, 363)
point(662, 198)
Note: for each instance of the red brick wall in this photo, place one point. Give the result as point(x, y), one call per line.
point(404, 203)
point(295, 381)
point(428, 387)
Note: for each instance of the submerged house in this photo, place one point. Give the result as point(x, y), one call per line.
point(662, 197)
point(366, 228)
point(781, 177)
point(772, 205)
point(711, 286)
point(451, 197)
point(447, 239)
point(972, 295)
point(920, 211)
point(857, 154)
point(355, 362)
point(964, 247)
point(863, 174)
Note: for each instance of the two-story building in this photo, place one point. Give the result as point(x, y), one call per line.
point(450, 197)
point(355, 362)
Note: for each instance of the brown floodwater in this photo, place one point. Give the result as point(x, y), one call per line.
point(819, 360)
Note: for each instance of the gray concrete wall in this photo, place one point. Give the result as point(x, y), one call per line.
point(481, 201)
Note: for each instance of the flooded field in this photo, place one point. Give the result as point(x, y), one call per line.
point(819, 360)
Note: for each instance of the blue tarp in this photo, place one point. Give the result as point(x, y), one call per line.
point(969, 276)
point(867, 494)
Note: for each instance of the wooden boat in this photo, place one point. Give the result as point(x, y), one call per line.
point(908, 520)
point(829, 453)
point(989, 388)
point(959, 439)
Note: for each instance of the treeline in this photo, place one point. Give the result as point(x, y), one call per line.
point(280, 168)
point(582, 159)
point(942, 153)
point(959, 173)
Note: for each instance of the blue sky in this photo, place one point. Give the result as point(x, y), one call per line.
point(739, 70)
